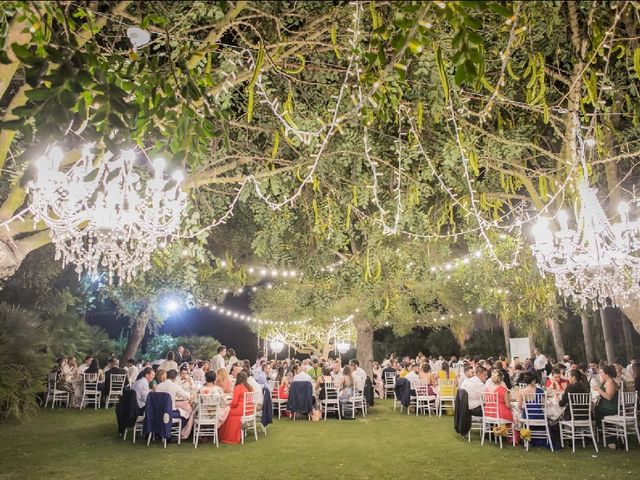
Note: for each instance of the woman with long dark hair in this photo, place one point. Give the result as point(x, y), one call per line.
point(231, 429)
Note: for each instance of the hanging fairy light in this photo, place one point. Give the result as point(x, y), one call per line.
point(102, 215)
point(595, 259)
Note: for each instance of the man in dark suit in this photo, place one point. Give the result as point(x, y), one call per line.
point(115, 370)
point(180, 355)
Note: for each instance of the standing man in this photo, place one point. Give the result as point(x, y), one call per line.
point(180, 356)
point(539, 364)
point(218, 360)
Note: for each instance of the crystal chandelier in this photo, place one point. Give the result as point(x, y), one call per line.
point(276, 345)
point(102, 215)
point(343, 347)
point(595, 260)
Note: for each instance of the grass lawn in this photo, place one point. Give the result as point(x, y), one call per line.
point(82, 444)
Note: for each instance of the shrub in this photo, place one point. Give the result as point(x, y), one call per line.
point(158, 347)
point(201, 347)
point(24, 362)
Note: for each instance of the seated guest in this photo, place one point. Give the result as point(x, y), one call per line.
point(378, 381)
point(212, 388)
point(346, 385)
point(445, 373)
point(198, 372)
point(555, 381)
point(577, 383)
point(315, 371)
point(132, 371)
point(302, 376)
point(358, 372)
point(412, 375)
point(496, 385)
point(114, 370)
point(95, 368)
point(516, 375)
point(475, 386)
point(320, 382)
point(262, 375)
point(169, 363)
point(531, 387)
point(392, 367)
point(185, 380)
point(426, 377)
point(142, 386)
point(231, 429)
point(87, 362)
point(336, 372)
point(283, 384)
point(61, 379)
point(223, 381)
point(467, 373)
point(608, 404)
point(180, 401)
point(255, 387)
point(405, 369)
point(160, 377)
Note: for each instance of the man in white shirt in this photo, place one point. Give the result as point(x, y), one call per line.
point(412, 376)
point(539, 363)
point(132, 370)
point(302, 376)
point(87, 361)
point(475, 386)
point(336, 372)
point(256, 387)
point(141, 386)
point(172, 388)
point(467, 374)
point(218, 360)
point(629, 370)
point(357, 371)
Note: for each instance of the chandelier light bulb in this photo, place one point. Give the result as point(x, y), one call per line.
point(159, 164)
point(178, 176)
point(563, 219)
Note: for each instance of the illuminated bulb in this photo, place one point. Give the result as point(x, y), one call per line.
point(185, 252)
point(172, 306)
point(477, 254)
point(55, 155)
point(178, 176)
point(293, 273)
point(478, 310)
point(623, 209)
point(251, 270)
point(128, 155)
point(274, 273)
point(563, 219)
point(263, 272)
point(159, 164)
point(223, 264)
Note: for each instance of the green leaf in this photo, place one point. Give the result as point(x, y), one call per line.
point(636, 61)
point(23, 54)
point(442, 73)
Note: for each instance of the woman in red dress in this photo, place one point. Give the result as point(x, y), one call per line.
point(231, 429)
point(504, 412)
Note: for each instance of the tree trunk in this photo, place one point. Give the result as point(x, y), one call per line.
point(628, 338)
point(558, 341)
point(607, 318)
point(632, 311)
point(136, 334)
point(507, 337)
point(364, 344)
point(586, 333)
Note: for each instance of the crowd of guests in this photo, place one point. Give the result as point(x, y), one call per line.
point(224, 376)
point(512, 379)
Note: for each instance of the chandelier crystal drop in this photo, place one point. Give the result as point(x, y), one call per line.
point(102, 215)
point(596, 259)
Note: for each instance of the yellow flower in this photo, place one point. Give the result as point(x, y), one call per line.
point(525, 433)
